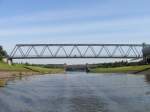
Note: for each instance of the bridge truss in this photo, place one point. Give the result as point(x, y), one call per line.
point(34, 51)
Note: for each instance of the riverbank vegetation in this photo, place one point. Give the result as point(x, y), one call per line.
point(27, 68)
point(125, 69)
point(120, 67)
point(2, 53)
point(19, 70)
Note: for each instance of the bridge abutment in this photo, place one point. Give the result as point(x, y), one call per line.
point(8, 61)
point(146, 59)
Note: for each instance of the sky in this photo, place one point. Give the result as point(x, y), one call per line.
point(73, 21)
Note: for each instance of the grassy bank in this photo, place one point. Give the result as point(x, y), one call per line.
point(126, 69)
point(24, 68)
point(18, 70)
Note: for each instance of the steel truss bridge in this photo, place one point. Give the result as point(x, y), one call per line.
point(43, 51)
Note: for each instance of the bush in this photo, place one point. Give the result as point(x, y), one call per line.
point(2, 53)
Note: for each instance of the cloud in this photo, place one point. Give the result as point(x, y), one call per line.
point(67, 14)
point(119, 25)
point(51, 15)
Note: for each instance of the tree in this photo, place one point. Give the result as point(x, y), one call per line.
point(2, 53)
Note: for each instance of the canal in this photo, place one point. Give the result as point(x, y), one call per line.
point(77, 92)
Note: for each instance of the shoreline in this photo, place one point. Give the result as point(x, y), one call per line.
point(11, 74)
point(6, 76)
point(141, 69)
point(15, 70)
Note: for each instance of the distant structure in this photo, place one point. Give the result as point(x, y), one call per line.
point(76, 68)
point(146, 54)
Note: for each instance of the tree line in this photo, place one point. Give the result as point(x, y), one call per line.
point(3, 53)
point(117, 64)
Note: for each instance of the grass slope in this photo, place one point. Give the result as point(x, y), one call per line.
point(126, 69)
point(24, 68)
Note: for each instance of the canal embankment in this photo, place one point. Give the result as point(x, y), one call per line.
point(15, 70)
point(138, 69)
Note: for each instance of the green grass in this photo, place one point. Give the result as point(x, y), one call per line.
point(126, 69)
point(45, 70)
point(15, 67)
point(24, 68)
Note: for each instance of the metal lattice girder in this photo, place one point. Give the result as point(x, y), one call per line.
point(31, 51)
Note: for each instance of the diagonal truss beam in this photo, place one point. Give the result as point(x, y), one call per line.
point(25, 51)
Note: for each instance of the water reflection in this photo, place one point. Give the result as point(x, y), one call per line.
point(3, 82)
point(147, 78)
point(77, 92)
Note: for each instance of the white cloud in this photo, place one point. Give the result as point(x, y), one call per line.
point(111, 26)
point(50, 15)
point(53, 15)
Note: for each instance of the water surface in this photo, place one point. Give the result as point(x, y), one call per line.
point(77, 92)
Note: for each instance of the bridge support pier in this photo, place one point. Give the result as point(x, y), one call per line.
point(144, 60)
point(147, 60)
point(9, 61)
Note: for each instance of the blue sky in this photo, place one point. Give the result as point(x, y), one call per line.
point(74, 21)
